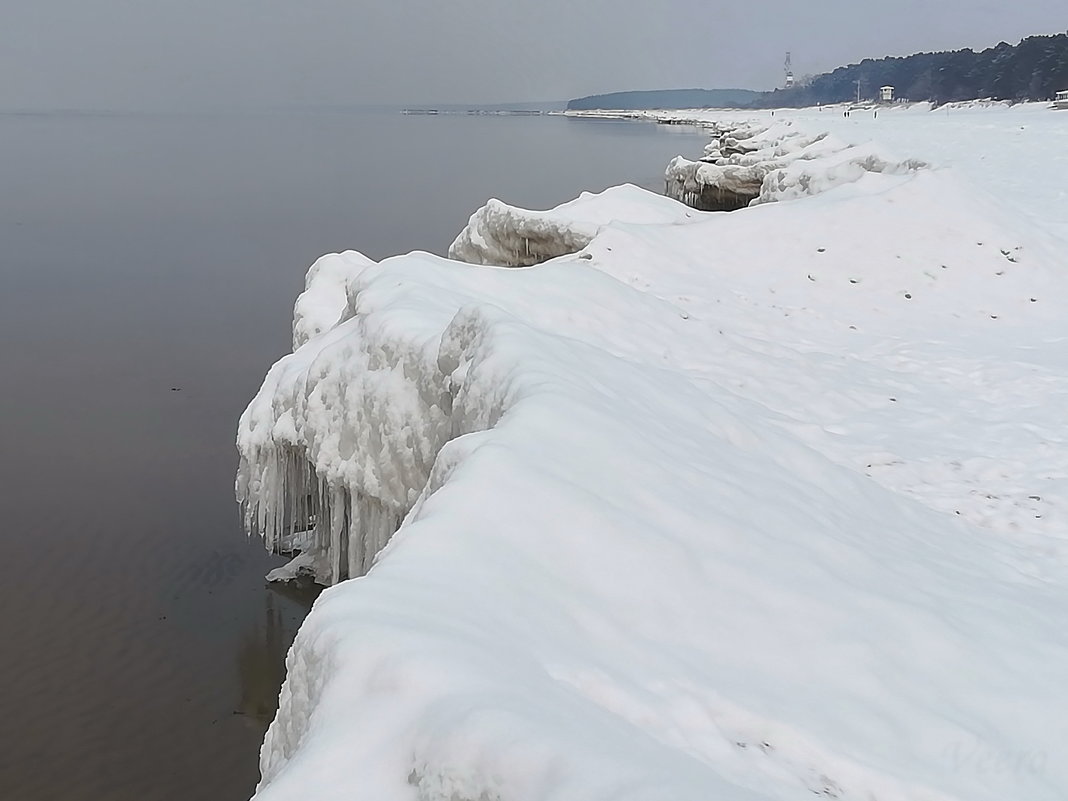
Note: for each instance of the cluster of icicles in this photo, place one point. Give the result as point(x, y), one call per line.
point(339, 531)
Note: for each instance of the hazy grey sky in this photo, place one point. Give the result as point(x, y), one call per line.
point(183, 53)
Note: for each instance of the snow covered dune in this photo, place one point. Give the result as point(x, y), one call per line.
point(755, 507)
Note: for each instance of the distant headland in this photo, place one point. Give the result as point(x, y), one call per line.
point(668, 98)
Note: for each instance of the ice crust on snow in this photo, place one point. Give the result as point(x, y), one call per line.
point(760, 506)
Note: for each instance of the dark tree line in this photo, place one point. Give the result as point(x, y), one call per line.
point(1035, 69)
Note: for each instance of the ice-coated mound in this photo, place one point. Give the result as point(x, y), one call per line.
point(766, 506)
point(801, 176)
point(713, 187)
point(512, 237)
point(342, 435)
point(748, 163)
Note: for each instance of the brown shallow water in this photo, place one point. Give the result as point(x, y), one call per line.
point(147, 272)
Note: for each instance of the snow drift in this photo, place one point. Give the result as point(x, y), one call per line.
point(759, 506)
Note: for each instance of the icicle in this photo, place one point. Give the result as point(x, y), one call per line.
point(337, 532)
point(356, 543)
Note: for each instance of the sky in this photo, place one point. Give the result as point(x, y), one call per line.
point(174, 54)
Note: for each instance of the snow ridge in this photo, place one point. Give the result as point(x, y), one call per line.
point(749, 163)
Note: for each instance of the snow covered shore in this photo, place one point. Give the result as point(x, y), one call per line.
point(1017, 152)
point(755, 505)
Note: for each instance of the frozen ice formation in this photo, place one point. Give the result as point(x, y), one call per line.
point(505, 235)
point(749, 163)
point(343, 433)
point(761, 506)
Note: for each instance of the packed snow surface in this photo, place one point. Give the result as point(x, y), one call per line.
point(754, 506)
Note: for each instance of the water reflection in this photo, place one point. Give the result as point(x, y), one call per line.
point(261, 653)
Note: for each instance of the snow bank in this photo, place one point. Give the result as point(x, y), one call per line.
point(767, 505)
point(505, 235)
point(749, 163)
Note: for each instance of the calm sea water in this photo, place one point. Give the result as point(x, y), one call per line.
point(147, 274)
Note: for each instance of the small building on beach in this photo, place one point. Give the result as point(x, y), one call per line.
point(886, 94)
